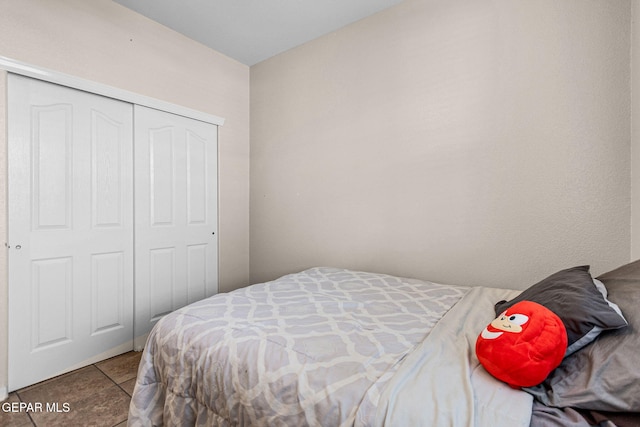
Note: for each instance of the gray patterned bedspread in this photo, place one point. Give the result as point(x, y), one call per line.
point(313, 348)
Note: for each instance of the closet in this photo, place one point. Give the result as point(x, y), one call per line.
point(112, 223)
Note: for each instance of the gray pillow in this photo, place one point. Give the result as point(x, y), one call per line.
point(604, 376)
point(574, 297)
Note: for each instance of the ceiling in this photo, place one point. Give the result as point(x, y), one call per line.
point(251, 31)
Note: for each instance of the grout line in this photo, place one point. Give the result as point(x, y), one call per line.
point(123, 390)
point(114, 381)
point(117, 385)
point(28, 413)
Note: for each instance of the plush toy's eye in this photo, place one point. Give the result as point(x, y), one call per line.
point(518, 319)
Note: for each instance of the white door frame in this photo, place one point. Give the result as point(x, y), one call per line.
point(51, 76)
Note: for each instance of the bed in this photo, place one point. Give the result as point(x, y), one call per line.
point(335, 347)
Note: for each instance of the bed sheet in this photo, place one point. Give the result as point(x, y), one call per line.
point(441, 383)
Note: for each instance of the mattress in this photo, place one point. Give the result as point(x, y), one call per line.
point(326, 347)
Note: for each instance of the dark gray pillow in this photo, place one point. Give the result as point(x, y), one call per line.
point(573, 296)
point(605, 376)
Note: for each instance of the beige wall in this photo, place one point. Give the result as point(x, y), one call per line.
point(475, 142)
point(635, 130)
point(102, 41)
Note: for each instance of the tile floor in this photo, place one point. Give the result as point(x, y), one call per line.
point(96, 395)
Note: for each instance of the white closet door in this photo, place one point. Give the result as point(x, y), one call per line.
point(70, 229)
point(175, 215)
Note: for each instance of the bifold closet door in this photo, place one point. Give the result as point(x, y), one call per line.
point(176, 242)
point(70, 229)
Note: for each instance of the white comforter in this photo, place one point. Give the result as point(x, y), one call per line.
point(326, 347)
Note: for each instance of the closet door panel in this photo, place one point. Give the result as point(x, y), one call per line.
point(176, 215)
point(197, 272)
point(108, 286)
point(162, 271)
point(107, 207)
point(162, 146)
point(196, 179)
point(51, 286)
point(70, 229)
point(51, 202)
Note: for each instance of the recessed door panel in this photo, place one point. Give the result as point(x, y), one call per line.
point(107, 292)
point(197, 185)
point(162, 274)
point(161, 176)
point(108, 187)
point(196, 272)
point(51, 144)
point(51, 308)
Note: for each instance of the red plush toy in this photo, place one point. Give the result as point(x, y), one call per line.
point(522, 345)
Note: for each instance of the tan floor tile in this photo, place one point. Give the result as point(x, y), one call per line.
point(107, 407)
point(85, 397)
point(121, 368)
point(68, 388)
point(128, 386)
point(10, 416)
